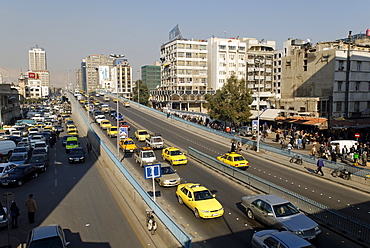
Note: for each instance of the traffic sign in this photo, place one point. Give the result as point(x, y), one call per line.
point(357, 135)
point(255, 124)
point(152, 171)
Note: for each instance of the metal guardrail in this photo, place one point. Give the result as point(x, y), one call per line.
point(183, 238)
point(329, 216)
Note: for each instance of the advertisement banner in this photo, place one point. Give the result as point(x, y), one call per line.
point(123, 132)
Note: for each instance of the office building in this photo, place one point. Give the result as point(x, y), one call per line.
point(151, 76)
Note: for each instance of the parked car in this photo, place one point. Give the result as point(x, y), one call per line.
point(279, 213)
point(275, 238)
point(5, 168)
point(47, 236)
point(18, 158)
point(76, 154)
point(19, 175)
point(41, 161)
point(4, 217)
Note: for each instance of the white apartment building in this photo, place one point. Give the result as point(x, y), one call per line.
point(121, 78)
point(183, 75)
point(37, 59)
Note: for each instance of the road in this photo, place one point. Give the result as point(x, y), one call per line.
point(234, 227)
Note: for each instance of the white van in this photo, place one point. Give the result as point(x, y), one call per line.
point(7, 146)
point(342, 143)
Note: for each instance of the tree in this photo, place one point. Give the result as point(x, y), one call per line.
point(231, 102)
point(144, 93)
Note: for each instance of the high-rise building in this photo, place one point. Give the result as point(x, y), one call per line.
point(37, 59)
point(90, 71)
point(151, 76)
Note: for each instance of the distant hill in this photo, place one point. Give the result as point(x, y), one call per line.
point(11, 76)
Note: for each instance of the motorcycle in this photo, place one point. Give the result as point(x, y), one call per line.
point(343, 173)
point(296, 159)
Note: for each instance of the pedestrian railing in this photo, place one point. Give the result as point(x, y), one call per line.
point(343, 222)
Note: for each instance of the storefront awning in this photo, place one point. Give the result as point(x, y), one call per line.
point(270, 114)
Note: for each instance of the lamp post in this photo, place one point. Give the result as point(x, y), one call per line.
point(117, 115)
point(138, 89)
point(348, 68)
point(258, 60)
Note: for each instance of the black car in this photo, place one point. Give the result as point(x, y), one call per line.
point(112, 112)
point(58, 128)
point(64, 139)
point(41, 161)
point(19, 175)
point(76, 154)
point(16, 139)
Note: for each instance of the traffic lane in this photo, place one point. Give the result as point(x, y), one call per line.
point(336, 197)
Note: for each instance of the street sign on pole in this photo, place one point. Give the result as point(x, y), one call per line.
point(152, 171)
point(255, 124)
point(123, 132)
point(357, 135)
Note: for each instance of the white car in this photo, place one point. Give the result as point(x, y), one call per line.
point(41, 144)
point(99, 118)
point(5, 167)
point(275, 238)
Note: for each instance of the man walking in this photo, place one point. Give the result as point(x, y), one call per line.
point(320, 164)
point(31, 208)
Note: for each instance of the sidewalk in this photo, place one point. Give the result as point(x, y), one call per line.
point(307, 167)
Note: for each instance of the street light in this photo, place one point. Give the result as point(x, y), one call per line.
point(259, 60)
point(138, 89)
point(120, 76)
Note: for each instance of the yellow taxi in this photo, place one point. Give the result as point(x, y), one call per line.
point(234, 159)
point(66, 120)
point(127, 145)
point(104, 124)
point(71, 128)
point(141, 135)
point(112, 131)
point(48, 129)
point(200, 200)
point(72, 132)
point(174, 156)
point(115, 100)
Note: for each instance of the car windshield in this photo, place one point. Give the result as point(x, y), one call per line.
point(77, 151)
point(40, 145)
point(239, 158)
point(202, 195)
point(157, 140)
point(16, 158)
point(176, 153)
point(148, 154)
point(285, 210)
point(128, 142)
point(36, 159)
point(20, 149)
point(167, 170)
point(52, 242)
point(113, 129)
point(143, 133)
point(17, 171)
point(71, 143)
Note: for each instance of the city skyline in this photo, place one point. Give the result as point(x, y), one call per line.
point(69, 31)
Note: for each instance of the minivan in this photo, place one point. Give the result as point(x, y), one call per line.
point(71, 142)
point(7, 147)
point(342, 143)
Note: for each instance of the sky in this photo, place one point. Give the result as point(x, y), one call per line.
point(70, 30)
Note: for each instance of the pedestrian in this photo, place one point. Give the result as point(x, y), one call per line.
point(320, 164)
point(239, 147)
point(313, 151)
point(289, 147)
point(233, 146)
point(124, 154)
point(31, 208)
point(282, 143)
point(89, 147)
point(344, 152)
point(14, 213)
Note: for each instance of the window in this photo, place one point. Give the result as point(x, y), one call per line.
point(188, 55)
point(241, 48)
point(357, 107)
point(359, 65)
point(222, 47)
point(338, 106)
point(241, 57)
point(340, 65)
point(357, 86)
point(232, 47)
point(232, 56)
point(340, 83)
point(202, 47)
point(222, 56)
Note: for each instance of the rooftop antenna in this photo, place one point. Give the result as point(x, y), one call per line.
point(225, 33)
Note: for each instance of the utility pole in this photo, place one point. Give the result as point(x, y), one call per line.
point(348, 68)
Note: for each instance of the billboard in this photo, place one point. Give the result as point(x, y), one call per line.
point(103, 74)
point(175, 33)
point(33, 75)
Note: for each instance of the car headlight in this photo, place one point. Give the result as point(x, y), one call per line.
point(298, 232)
point(317, 229)
point(206, 211)
point(12, 181)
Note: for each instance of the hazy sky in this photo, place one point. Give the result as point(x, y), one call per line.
point(70, 30)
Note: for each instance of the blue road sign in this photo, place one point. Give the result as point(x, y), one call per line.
point(152, 171)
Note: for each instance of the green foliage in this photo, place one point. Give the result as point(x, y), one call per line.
point(144, 93)
point(231, 102)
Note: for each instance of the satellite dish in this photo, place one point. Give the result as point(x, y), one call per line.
point(308, 40)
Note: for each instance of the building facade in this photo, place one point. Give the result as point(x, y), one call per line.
point(37, 59)
point(151, 76)
point(90, 71)
point(9, 104)
point(122, 78)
